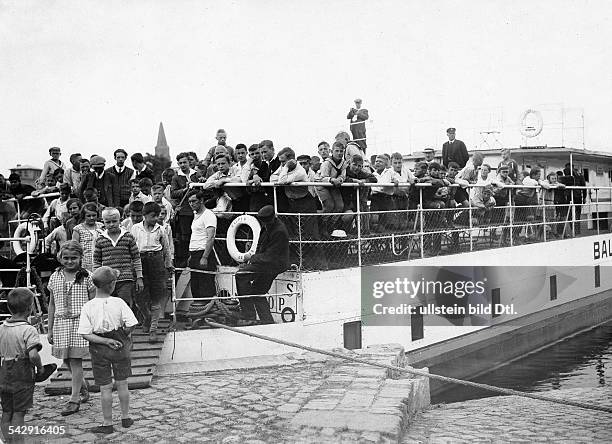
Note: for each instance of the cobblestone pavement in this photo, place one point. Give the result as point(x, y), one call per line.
point(516, 419)
point(227, 407)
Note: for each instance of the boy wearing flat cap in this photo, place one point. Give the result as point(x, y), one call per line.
point(106, 322)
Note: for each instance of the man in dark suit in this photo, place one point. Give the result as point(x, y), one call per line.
point(573, 178)
point(123, 175)
point(106, 184)
point(256, 275)
point(454, 150)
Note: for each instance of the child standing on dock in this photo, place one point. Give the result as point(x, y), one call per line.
point(71, 288)
point(86, 233)
point(107, 322)
point(19, 347)
point(117, 248)
point(155, 256)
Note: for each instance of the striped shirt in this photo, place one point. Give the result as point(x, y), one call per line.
point(122, 255)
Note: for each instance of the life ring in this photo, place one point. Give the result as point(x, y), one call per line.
point(531, 131)
point(252, 223)
point(19, 231)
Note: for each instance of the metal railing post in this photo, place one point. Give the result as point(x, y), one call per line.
point(359, 226)
point(597, 208)
point(300, 253)
point(470, 224)
point(275, 199)
point(421, 220)
point(544, 216)
point(573, 213)
point(511, 210)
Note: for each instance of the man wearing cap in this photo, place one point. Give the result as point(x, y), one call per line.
point(358, 116)
point(430, 155)
point(454, 150)
point(106, 184)
point(256, 275)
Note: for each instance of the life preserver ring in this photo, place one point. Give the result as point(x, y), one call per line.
point(531, 131)
point(252, 223)
point(22, 228)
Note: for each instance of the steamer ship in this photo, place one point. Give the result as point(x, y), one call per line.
point(556, 285)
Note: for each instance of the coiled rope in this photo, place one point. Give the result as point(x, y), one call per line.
point(488, 387)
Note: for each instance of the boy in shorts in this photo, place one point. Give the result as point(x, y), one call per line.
point(107, 322)
point(19, 347)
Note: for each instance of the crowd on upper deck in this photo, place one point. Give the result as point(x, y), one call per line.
point(91, 180)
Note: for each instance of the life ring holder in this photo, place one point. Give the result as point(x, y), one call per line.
point(531, 131)
point(19, 231)
point(253, 224)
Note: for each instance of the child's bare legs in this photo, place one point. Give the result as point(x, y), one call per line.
point(106, 395)
point(124, 398)
point(5, 423)
point(75, 365)
point(12, 419)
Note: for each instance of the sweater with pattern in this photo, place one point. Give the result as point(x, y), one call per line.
point(122, 255)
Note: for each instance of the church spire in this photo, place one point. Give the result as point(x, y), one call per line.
point(162, 149)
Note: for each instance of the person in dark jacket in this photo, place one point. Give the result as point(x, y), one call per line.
point(258, 172)
point(572, 178)
point(141, 170)
point(258, 272)
point(123, 174)
point(106, 184)
point(179, 191)
point(454, 150)
point(358, 117)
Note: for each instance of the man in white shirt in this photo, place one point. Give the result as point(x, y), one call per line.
point(381, 198)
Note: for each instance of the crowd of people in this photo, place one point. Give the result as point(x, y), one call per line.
point(454, 181)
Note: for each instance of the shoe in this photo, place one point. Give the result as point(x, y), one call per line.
point(105, 429)
point(153, 336)
point(48, 370)
point(146, 328)
point(127, 422)
point(84, 393)
point(71, 407)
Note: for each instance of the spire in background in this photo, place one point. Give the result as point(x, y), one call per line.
point(162, 149)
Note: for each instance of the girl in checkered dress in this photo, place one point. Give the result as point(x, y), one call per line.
point(71, 287)
point(86, 232)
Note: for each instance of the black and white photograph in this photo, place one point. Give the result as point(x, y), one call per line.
point(264, 221)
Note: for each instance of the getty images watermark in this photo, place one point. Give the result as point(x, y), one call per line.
point(467, 295)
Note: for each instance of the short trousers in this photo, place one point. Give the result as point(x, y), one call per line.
point(16, 385)
point(104, 359)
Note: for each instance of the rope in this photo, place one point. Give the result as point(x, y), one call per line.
point(448, 379)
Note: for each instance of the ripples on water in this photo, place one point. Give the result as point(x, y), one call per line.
point(580, 361)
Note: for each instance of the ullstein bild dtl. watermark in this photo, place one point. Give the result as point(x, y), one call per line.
point(465, 295)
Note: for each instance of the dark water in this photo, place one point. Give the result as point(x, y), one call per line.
point(584, 360)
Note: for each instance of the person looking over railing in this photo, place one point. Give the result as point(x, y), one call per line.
point(433, 199)
point(513, 168)
point(257, 173)
point(356, 174)
point(553, 197)
point(19, 190)
point(400, 194)
point(381, 198)
point(323, 150)
point(333, 170)
point(527, 197)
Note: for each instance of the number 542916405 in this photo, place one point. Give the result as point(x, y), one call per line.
point(37, 430)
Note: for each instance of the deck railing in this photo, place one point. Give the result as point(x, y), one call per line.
point(338, 240)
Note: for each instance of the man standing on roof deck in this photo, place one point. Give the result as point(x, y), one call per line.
point(221, 140)
point(358, 116)
point(454, 150)
point(256, 275)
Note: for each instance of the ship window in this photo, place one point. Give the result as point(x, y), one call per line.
point(585, 173)
point(352, 335)
point(597, 276)
point(416, 325)
point(495, 299)
point(553, 287)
